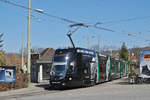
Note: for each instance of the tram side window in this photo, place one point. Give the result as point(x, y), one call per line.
point(116, 66)
point(119, 66)
point(83, 60)
point(123, 69)
point(101, 64)
point(112, 66)
point(86, 60)
point(104, 65)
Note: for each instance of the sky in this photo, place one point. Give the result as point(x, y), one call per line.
point(129, 19)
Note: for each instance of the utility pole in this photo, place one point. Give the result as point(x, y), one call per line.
point(88, 42)
point(98, 43)
point(22, 51)
point(28, 42)
point(111, 51)
point(129, 61)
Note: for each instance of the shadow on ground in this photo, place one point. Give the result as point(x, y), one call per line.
point(45, 86)
point(123, 83)
point(48, 87)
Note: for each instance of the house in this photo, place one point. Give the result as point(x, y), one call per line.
point(40, 65)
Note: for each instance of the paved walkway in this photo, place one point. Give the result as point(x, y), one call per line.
point(113, 90)
point(37, 89)
point(32, 89)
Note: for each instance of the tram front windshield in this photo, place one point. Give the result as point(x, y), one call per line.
point(59, 65)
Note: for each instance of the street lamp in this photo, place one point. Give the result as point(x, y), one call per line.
point(39, 10)
point(29, 40)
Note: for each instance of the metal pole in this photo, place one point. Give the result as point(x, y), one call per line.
point(99, 43)
point(88, 42)
point(130, 61)
point(22, 51)
point(111, 51)
point(28, 42)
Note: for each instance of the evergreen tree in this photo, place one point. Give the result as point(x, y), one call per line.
point(2, 56)
point(1, 41)
point(124, 52)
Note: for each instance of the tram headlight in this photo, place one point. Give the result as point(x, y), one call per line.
point(67, 58)
point(63, 84)
point(85, 71)
point(52, 73)
point(70, 78)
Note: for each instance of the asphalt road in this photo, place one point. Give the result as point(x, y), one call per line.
point(115, 90)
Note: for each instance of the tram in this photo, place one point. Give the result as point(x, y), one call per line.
point(79, 67)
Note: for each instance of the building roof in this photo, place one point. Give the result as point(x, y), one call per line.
point(47, 54)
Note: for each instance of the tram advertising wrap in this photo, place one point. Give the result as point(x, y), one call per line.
point(7, 74)
point(145, 64)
